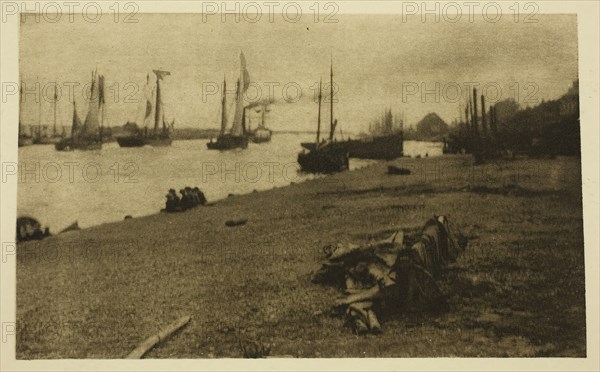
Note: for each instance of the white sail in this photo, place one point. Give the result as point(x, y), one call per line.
point(158, 107)
point(91, 124)
point(146, 108)
point(237, 128)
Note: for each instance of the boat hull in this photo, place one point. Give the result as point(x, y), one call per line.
point(47, 140)
point(139, 141)
point(228, 142)
point(329, 160)
point(131, 141)
point(261, 135)
point(67, 144)
point(383, 147)
point(261, 139)
point(25, 141)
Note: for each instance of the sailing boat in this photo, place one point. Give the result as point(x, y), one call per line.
point(71, 143)
point(24, 139)
point(325, 156)
point(159, 136)
point(89, 135)
point(45, 139)
point(261, 133)
point(237, 136)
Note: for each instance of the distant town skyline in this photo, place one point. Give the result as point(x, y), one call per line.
point(379, 62)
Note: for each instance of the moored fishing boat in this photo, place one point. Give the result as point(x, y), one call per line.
point(24, 140)
point(324, 156)
point(237, 137)
point(261, 134)
point(89, 135)
point(159, 136)
point(131, 141)
point(384, 144)
point(44, 138)
point(387, 147)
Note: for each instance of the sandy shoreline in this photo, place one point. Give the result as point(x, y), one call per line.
point(101, 290)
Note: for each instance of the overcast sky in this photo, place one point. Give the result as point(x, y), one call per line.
point(375, 57)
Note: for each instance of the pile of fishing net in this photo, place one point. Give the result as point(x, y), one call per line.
point(390, 275)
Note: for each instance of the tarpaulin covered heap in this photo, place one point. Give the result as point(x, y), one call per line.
point(390, 275)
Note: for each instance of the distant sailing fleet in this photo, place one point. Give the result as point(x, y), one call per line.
point(325, 155)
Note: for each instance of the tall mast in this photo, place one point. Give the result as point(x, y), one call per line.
point(40, 112)
point(75, 126)
point(244, 131)
point(103, 112)
point(223, 107)
point(20, 106)
point(157, 113)
point(148, 102)
point(55, 100)
point(319, 117)
point(331, 100)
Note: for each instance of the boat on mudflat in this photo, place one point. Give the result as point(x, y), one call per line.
point(385, 147)
point(324, 156)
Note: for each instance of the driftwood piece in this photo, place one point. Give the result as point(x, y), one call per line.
point(232, 223)
point(151, 341)
point(368, 294)
point(392, 169)
point(373, 321)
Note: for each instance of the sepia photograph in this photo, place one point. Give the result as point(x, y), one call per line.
point(275, 180)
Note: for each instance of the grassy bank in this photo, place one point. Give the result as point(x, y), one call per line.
point(517, 291)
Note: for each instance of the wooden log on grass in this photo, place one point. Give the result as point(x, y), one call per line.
point(153, 340)
point(364, 295)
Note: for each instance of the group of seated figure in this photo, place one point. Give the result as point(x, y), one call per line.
point(190, 198)
point(30, 229)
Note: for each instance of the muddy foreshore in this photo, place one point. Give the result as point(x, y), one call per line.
point(518, 291)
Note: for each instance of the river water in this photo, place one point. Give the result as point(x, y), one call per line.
point(95, 187)
point(423, 149)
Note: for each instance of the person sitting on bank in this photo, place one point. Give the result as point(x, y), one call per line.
point(186, 202)
point(192, 197)
point(200, 196)
point(172, 204)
